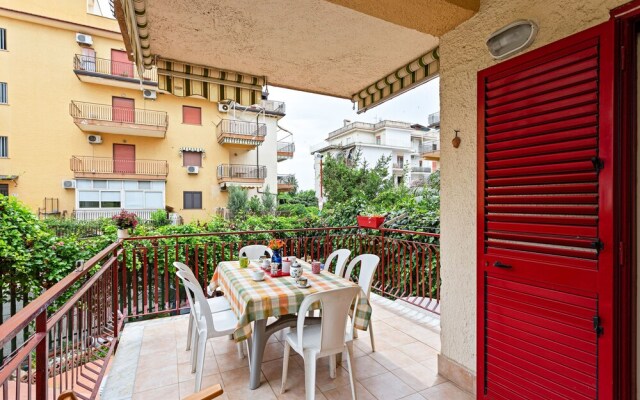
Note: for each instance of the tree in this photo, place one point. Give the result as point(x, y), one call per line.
point(238, 199)
point(268, 201)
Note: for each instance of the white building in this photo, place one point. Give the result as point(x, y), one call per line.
point(414, 149)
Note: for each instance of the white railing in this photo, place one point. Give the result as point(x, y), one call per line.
point(370, 127)
point(434, 119)
point(145, 215)
point(274, 106)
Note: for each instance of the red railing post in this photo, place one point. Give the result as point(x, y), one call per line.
point(42, 356)
point(383, 264)
point(114, 292)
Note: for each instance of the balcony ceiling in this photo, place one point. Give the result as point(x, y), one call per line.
point(333, 47)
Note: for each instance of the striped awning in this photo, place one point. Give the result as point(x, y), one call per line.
point(185, 80)
point(411, 75)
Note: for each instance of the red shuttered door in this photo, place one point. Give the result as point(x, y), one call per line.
point(120, 64)
point(124, 158)
point(545, 235)
point(123, 109)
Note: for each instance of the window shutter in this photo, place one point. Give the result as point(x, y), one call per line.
point(191, 115)
point(191, 158)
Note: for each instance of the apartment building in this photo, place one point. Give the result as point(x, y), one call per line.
point(84, 134)
point(414, 149)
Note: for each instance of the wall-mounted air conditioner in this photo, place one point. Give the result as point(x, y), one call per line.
point(69, 184)
point(94, 139)
point(223, 107)
point(193, 169)
point(84, 39)
point(150, 94)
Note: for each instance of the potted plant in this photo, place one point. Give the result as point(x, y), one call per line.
point(370, 218)
point(124, 221)
point(276, 245)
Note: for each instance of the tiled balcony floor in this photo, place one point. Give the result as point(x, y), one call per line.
point(151, 363)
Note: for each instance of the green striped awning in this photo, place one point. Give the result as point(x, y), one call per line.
point(185, 80)
point(411, 75)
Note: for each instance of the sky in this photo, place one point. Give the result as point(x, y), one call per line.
point(310, 117)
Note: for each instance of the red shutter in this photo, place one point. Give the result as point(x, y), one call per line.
point(124, 158)
point(120, 64)
point(190, 158)
point(191, 115)
point(544, 222)
point(123, 109)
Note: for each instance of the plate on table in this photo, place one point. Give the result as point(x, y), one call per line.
point(299, 286)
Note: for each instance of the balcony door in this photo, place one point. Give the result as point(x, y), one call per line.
point(88, 59)
point(546, 322)
point(120, 64)
point(123, 109)
point(124, 159)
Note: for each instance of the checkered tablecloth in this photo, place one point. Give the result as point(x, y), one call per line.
point(274, 297)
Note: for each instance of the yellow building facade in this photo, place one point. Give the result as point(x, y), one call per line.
point(81, 135)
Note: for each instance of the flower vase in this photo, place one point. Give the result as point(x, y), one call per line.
point(277, 256)
point(123, 233)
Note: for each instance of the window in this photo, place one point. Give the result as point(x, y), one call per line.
point(4, 189)
point(191, 115)
point(3, 93)
point(191, 158)
point(4, 147)
point(192, 200)
point(132, 195)
point(3, 39)
point(378, 140)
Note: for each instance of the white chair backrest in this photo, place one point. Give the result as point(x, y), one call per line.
point(188, 273)
point(254, 251)
point(335, 305)
point(196, 296)
point(343, 256)
point(368, 266)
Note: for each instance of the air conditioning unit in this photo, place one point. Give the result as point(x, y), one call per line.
point(150, 94)
point(69, 184)
point(94, 139)
point(84, 39)
point(193, 169)
point(223, 108)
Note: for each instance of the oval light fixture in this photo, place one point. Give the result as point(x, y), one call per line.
point(512, 38)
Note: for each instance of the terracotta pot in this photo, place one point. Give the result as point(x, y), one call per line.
point(123, 233)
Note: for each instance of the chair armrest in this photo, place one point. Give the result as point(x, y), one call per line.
point(207, 394)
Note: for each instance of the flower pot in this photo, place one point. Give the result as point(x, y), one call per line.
point(370, 222)
point(123, 233)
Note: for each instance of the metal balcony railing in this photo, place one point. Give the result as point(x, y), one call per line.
point(286, 147)
point(286, 179)
point(430, 147)
point(242, 128)
point(274, 106)
point(398, 165)
point(241, 171)
point(108, 113)
point(107, 165)
point(421, 169)
point(113, 68)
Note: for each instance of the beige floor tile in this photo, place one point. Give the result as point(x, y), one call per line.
point(387, 387)
point(365, 367)
point(210, 368)
point(392, 359)
point(187, 387)
point(295, 388)
point(431, 363)
point(446, 391)
point(418, 351)
point(230, 361)
point(264, 392)
point(273, 351)
point(169, 392)
point(344, 393)
point(419, 377)
point(415, 396)
point(148, 378)
point(238, 379)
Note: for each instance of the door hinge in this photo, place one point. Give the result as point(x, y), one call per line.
point(598, 164)
point(596, 326)
point(598, 245)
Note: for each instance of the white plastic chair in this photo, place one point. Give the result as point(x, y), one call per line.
point(326, 339)
point(216, 304)
point(343, 256)
point(207, 325)
point(368, 266)
point(255, 251)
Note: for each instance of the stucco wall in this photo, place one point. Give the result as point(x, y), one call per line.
point(462, 53)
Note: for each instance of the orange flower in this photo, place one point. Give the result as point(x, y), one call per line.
point(276, 244)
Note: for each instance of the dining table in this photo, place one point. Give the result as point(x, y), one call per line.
point(254, 302)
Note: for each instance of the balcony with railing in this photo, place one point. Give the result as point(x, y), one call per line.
point(434, 120)
point(286, 183)
point(235, 133)
point(103, 71)
point(285, 150)
point(65, 339)
point(274, 106)
point(430, 150)
point(244, 175)
point(420, 170)
point(106, 167)
point(105, 118)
